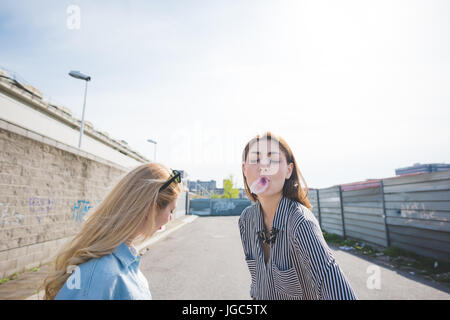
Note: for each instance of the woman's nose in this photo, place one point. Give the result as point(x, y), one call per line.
point(267, 167)
point(265, 161)
point(264, 171)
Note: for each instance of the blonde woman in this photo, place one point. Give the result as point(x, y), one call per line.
point(101, 262)
point(284, 248)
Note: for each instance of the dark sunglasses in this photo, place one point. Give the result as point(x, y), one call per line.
point(176, 176)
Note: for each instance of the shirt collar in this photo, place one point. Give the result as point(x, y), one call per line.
point(126, 256)
point(281, 215)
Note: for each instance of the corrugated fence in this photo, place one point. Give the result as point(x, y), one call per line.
point(410, 212)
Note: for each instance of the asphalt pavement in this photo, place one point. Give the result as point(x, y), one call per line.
point(201, 258)
point(204, 260)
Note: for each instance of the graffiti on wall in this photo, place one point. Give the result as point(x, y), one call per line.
point(80, 208)
point(8, 216)
point(40, 207)
point(418, 213)
point(223, 205)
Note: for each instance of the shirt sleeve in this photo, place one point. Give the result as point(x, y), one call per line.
point(329, 278)
point(245, 245)
point(244, 236)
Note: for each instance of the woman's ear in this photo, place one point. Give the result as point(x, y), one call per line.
point(244, 169)
point(290, 168)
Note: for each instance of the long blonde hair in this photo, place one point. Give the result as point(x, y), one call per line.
point(129, 207)
point(292, 188)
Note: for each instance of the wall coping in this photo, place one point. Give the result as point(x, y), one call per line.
point(63, 116)
point(33, 135)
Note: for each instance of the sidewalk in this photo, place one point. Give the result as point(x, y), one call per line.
point(27, 284)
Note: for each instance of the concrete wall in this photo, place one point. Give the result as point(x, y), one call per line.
point(45, 190)
point(47, 183)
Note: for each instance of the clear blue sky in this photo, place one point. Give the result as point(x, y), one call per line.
point(357, 88)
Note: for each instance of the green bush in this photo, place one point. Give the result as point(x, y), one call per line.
point(331, 237)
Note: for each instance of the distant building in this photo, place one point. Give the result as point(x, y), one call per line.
point(425, 168)
point(202, 187)
point(206, 188)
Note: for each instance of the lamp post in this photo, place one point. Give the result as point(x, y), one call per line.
point(79, 75)
point(154, 142)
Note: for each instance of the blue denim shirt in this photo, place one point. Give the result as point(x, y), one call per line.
point(115, 276)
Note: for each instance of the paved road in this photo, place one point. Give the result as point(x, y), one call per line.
point(204, 260)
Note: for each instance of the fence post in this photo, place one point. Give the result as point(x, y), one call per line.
point(186, 206)
point(342, 211)
point(388, 240)
point(318, 207)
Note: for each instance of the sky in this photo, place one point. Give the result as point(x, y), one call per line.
point(356, 88)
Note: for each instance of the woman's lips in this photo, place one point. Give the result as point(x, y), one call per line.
point(260, 185)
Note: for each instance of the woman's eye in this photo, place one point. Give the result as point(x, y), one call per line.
point(257, 160)
point(270, 160)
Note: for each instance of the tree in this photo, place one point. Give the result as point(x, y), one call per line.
point(215, 196)
point(228, 191)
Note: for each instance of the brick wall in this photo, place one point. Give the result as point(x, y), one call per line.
point(45, 190)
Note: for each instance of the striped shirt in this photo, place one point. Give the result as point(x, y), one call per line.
point(300, 265)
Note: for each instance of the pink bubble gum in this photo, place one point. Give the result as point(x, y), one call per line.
point(260, 185)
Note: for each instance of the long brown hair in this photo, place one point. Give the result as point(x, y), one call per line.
point(130, 205)
point(292, 188)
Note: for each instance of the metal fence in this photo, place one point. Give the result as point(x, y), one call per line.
point(410, 212)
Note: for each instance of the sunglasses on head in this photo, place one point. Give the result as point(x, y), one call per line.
point(176, 176)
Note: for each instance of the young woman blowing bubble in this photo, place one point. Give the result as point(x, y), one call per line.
point(284, 248)
point(101, 262)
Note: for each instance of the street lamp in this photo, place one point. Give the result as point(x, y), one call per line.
point(79, 75)
point(154, 142)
